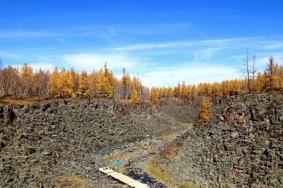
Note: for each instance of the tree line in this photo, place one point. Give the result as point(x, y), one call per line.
point(26, 83)
point(269, 80)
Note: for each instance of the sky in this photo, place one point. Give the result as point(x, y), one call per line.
point(161, 41)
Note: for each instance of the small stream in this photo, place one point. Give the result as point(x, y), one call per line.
point(135, 173)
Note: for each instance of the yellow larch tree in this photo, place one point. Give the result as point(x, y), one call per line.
point(75, 82)
point(205, 109)
point(107, 83)
point(26, 77)
point(177, 90)
point(136, 85)
point(135, 97)
point(185, 90)
point(65, 83)
point(216, 89)
point(95, 80)
point(106, 87)
point(126, 82)
point(272, 75)
point(153, 95)
point(54, 83)
point(259, 83)
point(83, 84)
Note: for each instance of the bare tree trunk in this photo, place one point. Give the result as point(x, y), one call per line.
point(248, 71)
point(270, 66)
point(254, 71)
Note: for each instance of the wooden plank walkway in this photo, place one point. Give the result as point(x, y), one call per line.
point(123, 178)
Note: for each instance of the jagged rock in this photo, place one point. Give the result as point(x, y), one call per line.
point(245, 149)
point(57, 140)
point(2, 144)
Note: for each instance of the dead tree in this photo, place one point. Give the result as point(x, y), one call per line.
point(247, 64)
point(271, 72)
point(253, 68)
point(253, 72)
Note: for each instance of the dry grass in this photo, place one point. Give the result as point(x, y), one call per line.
point(29, 102)
point(159, 173)
point(169, 137)
point(171, 149)
point(116, 155)
point(155, 170)
point(188, 126)
point(71, 182)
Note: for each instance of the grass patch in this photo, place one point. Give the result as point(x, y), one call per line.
point(188, 126)
point(18, 101)
point(70, 182)
point(169, 137)
point(159, 173)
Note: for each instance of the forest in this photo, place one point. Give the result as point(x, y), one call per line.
point(41, 84)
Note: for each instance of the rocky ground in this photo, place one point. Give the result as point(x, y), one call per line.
point(55, 143)
point(61, 143)
point(241, 146)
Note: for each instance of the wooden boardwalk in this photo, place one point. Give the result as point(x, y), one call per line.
point(123, 178)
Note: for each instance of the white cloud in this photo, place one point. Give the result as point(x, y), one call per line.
point(93, 61)
point(152, 62)
point(261, 61)
point(190, 73)
point(178, 44)
point(26, 34)
point(148, 46)
point(149, 74)
point(8, 54)
point(274, 45)
point(43, 66)
point(207, 53)
point(37, 66)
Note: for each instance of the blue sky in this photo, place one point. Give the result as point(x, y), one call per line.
point(161, 41)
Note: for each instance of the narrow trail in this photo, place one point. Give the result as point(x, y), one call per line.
point(136, 156)
point(123, 178)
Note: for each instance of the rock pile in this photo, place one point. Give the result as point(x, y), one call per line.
point(242, 145)
point(55, 143)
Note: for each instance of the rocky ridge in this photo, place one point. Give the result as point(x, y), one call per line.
point(241, 146)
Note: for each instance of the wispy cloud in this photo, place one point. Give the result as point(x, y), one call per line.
point(178, 44)
point(275, 45)
point(36, 66)
point(206, 54)
point(9, 54)
point(262, 60)
point(94, 61)
point(27, 34)
point(236, 43)
point(192, 73)
point(162, 63)
point(138, 29)
point(108, 32)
